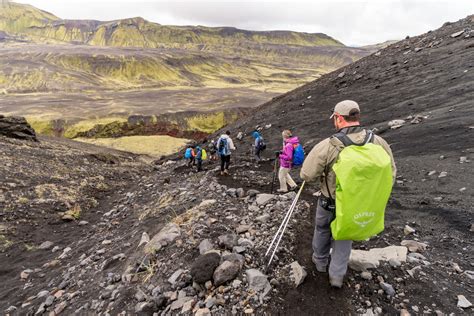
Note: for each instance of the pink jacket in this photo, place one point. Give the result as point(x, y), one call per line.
point(286, 156)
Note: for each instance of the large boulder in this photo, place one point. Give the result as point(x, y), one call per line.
point(165, 237)
point(203, 268)
point(16, 127)
point(227, 271)
point(264, 198)
point(257, 280)
point(361, 260)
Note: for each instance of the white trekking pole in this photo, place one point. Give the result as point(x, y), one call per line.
point(281, 230)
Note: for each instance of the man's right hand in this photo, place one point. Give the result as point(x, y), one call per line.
point(277, 153)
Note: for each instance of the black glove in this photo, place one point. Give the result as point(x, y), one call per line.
point(277, 153)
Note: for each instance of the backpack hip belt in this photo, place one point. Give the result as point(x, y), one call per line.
point(327, 203)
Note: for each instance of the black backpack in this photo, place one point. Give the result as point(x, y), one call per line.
point(261, 143)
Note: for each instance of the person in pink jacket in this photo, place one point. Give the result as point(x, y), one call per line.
point(286, 158)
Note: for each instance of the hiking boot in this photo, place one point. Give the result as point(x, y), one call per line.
point(336, 281)
point(323, 268)
point(222, 173)
point(282, 191)
point(226, 172)
point(294, 188)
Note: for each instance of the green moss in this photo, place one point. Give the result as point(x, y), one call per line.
point(18, 18)
point(207, 123)
point(113, 129)
point(43, 127)
point(86, 125)
point(148, 145)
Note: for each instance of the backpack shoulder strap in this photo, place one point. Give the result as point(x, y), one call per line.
point(369, 137)
point(345, 140)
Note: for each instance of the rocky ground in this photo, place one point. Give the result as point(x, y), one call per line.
point(169, 240)
point(88, 231)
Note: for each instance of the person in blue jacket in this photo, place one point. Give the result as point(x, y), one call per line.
point(259, 145)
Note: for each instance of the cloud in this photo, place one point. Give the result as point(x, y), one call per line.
point(357, 22)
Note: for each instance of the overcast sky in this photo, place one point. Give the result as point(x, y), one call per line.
point(355, 23)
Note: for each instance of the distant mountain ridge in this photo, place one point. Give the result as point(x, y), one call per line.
point(41, 26)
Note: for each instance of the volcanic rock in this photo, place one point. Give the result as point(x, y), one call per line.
point(361, 260)
point(463, 302)
point(257, 280)
point(414, 246)
point(228, 241)
point(298, 273)
point(227, 271)
point(408, 230)
point(16, 127)
point(264, 198)
point(205, 246)
point(203, 268)
point(166, 236)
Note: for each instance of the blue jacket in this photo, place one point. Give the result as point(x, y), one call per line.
point(257, 137)
point(198, 153)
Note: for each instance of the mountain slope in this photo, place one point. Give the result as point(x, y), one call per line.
point(426, 81)
point(137, 32)
point(429, 75)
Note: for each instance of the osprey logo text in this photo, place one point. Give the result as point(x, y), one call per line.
point(363, 218)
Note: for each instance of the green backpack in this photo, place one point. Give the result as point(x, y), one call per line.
point(363, 187)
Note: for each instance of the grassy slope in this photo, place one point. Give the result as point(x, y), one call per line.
point(177, 56)
point(137, 32)
point(148, 145)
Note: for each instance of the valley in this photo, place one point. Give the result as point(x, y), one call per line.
point(83, 72)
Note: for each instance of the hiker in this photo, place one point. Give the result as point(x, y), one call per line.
point(199, 158)
point(224, 146)
point(320, 164)
point(259, 145)
point(212, 148)
point(190, 154)
point(286, 161)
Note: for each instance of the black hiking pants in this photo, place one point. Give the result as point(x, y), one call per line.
point(199, 164)
point(258, 150)
point(225, 162)
point(191, 162)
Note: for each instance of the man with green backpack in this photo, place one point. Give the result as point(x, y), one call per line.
point(356, 171)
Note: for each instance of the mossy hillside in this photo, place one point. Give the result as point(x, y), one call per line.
point(80, 72)
point(29, 81)
point(208, 123)
point(52, 126)
point(86, 125)
point(206, 57)
point(19, 18)
point(149, 145)
point(41, 126)
point(137, 32)
point(185, 124)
